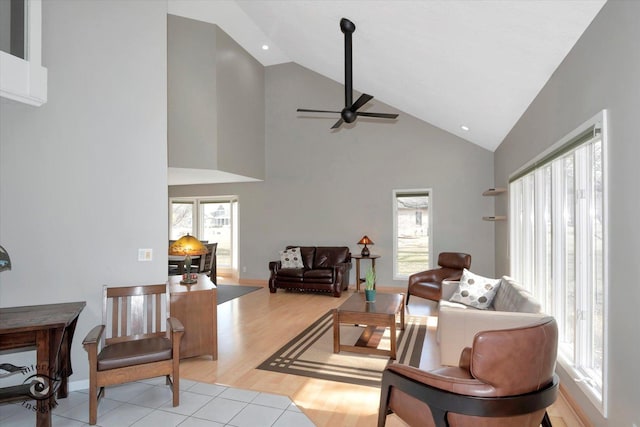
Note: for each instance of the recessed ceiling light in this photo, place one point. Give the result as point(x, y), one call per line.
point(265, 47)
point(464, 128)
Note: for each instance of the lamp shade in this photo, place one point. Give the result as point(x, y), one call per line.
point(5, 261)
point(187, 245)
point(365, 241)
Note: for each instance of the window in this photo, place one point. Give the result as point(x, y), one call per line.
point(211, 219)
point(557, 248)
point(22, 76)
point(411, 224)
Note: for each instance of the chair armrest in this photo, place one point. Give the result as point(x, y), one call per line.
point(424, 276)
point(93, 337)
point(449, 379)
point(465, 359)
point(174, 325)
point(175, 329)
point(458, 326)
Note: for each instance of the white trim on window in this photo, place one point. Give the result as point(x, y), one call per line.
point(429, 194)
point(25, 80)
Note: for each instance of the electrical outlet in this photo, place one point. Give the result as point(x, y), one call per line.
point(244, 270)
point(145, 254)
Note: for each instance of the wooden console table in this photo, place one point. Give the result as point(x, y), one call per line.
point(49, 329)
point(358, 257)
point(196, 306)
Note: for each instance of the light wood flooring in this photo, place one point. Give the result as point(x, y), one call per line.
point(254, 326)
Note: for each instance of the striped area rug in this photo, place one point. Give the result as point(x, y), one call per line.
point(311, 353)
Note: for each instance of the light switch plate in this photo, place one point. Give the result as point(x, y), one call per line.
point(145, 254)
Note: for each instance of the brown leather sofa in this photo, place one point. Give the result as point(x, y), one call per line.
point(428, 284)
point(506, 379)
point(326, 269)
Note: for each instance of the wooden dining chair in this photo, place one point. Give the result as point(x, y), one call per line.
point(208, 262)
point(135, 345)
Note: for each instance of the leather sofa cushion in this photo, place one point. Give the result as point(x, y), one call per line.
point(319, 275)
point(328, 256)
point(137, 352)
point(291, 273)
point(308, 254)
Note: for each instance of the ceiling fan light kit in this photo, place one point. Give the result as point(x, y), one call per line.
point(350, 112)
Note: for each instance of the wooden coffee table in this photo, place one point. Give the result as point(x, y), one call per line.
point(382, 312)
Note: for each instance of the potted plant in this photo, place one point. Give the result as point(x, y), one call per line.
point(369, 285)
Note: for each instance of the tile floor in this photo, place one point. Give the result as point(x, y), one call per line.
point(148, 403)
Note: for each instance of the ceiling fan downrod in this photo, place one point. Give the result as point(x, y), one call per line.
point(350, 112)
point(348, 28)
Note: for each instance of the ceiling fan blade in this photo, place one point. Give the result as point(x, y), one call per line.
point(304, 110)
point(337, 124)
point(379, 115)
point(364, 98)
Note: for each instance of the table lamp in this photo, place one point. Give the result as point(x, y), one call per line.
point(187, 245)
point(365, 241)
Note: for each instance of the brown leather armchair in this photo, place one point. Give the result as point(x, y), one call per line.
point(506, 379)
point(428, 284)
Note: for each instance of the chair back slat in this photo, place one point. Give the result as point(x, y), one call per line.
point(149, 314)
point(158, 313)
point(115, 313)
point(124, 302)
point(135, 312)
point(208, 261)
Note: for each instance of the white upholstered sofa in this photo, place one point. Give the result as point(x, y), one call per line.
point(512, 306)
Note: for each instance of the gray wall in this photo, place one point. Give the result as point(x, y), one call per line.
point(329, 188)
point(602, 71)
point(216, 101)
point(83, 178)
point(241, 114)
point(192, 108)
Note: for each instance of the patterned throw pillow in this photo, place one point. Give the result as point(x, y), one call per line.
point(475, 291)
point(291, 258)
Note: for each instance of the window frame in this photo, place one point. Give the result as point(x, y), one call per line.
point(197, 225)
point(394, 197)
point(583, 332)
point(25, 80)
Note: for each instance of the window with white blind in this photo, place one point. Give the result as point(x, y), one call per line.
point(558, 248)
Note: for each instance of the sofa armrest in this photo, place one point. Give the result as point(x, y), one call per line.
point(449, 287)
point(344, 266)
point(458, 326)
point(274, 265)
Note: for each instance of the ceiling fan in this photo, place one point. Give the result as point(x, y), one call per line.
point(350, 111)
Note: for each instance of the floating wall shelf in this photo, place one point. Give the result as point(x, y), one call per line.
point(495, 218)
point(494, 192)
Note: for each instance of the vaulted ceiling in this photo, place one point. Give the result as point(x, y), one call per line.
point(452, 63)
